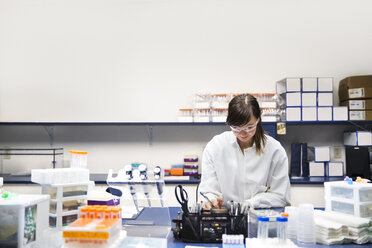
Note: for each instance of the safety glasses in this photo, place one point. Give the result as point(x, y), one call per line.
point(246, 128)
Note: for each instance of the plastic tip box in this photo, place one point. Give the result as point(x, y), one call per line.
point(97, 226)
point(59, 176)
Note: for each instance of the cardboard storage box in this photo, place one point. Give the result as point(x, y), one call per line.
point(360, 115)
point(356, 87)
point(358, 104)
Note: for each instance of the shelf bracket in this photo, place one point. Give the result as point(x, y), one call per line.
point(50, 131)
point(150, 134)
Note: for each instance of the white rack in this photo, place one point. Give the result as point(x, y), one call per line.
point(60, 214)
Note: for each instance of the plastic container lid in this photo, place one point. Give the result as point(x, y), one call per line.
point(78, 152)
point(281, 219)
point(284, 215)
point(263, 218)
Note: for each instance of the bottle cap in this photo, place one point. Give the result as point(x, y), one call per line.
point(281, 219)
point(263, 218)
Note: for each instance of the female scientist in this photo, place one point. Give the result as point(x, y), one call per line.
point(245, 165)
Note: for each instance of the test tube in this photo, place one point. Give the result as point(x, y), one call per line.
point(263, 227)
point(281, 229)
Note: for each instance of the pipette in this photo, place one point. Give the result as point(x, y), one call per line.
point(159, 185)
point(129, 176)
point(143, 175)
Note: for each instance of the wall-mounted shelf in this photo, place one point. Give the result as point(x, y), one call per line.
point(270, 127)
point(118, 123)
point(328, 122)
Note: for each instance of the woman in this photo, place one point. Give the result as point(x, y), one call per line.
point(245, 165)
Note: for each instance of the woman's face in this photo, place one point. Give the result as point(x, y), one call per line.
point(246, 132)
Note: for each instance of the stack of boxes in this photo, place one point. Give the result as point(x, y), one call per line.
point(309, 99)
point(191, 165)
point(322, 164)
point(356, 93)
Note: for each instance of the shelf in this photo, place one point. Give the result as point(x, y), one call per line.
point(119, 123)
point(328, 122)
point(29, 151)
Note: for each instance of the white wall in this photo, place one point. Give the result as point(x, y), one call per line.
point(141, 60)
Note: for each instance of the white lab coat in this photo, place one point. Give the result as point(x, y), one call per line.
point(262, 180)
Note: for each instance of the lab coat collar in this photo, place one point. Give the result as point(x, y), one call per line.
point(234, 141)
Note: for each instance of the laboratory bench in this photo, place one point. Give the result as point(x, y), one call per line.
point(303, 190)
point(101, 179)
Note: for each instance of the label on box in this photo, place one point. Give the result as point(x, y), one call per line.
point(357, 115)
point(356, 93)
point(357, 104)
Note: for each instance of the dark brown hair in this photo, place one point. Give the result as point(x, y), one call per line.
point(241, 109)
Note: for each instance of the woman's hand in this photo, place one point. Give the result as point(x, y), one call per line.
point(214, 203)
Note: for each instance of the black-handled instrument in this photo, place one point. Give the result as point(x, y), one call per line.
point(183, 198)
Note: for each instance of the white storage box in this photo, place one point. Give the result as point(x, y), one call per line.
point(293, 99)
point(354, 199)
point(23, 220)
point(325, 99)
point(322, 153)
point(340, 113)
point(288, 85)
point(293, 114)
point(324, 113)
point(358, 138)
point(308, 99)
point(335, 169)
point(309, 84)
point(325, 84)
point(316, 169)
point(309, 114)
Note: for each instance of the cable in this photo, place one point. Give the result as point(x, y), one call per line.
point(196, 193)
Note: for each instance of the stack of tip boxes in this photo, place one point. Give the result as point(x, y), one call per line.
point(97, 226)
point(354, 199)
point(67, 188)
point(191, 165)
point(322, 164)
point(309, 99)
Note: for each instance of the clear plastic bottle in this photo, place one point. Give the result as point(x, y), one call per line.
point(281, 229)
point(263, 227)
point(1, 186)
